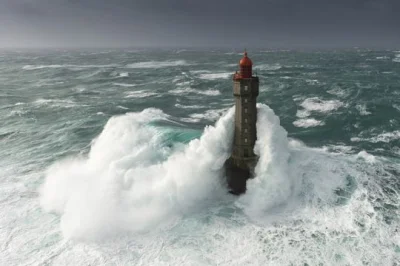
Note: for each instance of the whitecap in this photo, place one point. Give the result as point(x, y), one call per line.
point(17, 113)
point(313, 82)
point(123, 75)
point(189, 106)
point(209, 92)
point(36, 67)
point(187, 90)
point(190, 120)
point(215, 76)
point(124, 84)
point(64, 103)
point(338, 91)
point(182, 90)
point(269, 67)
point(366, 156)
point(338, 149)
point(158, 64)
point(383, 137)
point(318, 105)
point(396, 106)
point(79, 89)
point(211, 115)
point(139, 94)
point(308, 122)
point(302, 113)
point(396, 58)
point(202, 71)
point(182, 83)
point(362, 108)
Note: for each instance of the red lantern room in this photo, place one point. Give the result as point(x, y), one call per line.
point(246, 66)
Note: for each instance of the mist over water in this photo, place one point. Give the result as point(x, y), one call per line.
point(117, 158)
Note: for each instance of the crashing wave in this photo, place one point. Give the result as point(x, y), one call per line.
point(131, 180)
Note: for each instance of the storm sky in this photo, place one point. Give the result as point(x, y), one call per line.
point(200, 23)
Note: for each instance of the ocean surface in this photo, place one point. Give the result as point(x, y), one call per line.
point(115, 157)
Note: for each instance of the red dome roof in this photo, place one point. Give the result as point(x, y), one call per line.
point(245, 61)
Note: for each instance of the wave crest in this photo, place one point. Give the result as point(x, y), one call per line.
point(131, 180)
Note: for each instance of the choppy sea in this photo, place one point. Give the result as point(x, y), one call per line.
point(115, 157)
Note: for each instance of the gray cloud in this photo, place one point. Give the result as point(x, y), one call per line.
point(234, 23)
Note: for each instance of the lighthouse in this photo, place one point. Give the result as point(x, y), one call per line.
point(240, 166)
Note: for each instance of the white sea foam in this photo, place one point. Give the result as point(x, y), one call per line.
point(362, 108)
point(267, 67)
point(182, 83)
point(124, 84)
point(202, 71)
point(190, 120)
point(396, 58)
point(301, 197)
point(338, 91)
point(215, 76)
point(308, 122)
point(125, 184)
point(79, 89)
point(17, 113)
point(139, 94)
point(366, 156)
point(36, 67)
point(182, 90)
point(188, 90)
point(123, 75)
point(271, 185)
point(396, 106)
point(210, 92)
point(318, 105)
point(313, 82)
point(211, 115)
point(158, 64)
point(54, 103)
point(338, 149)
point(383, 137)
point(302, 113)
point(189, 106)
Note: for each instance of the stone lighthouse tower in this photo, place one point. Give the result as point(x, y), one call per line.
point(240, 166)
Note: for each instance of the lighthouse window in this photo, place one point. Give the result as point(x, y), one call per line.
point(245, 100)
point(245, 120)
point(245, 130)
point(245, 88)
point(245, 140)
point(245, 110)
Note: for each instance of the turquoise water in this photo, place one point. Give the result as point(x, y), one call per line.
point(113, 157)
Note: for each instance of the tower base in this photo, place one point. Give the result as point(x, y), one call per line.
point(238, 171)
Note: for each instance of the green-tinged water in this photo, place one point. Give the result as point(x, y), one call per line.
point(114, 157)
